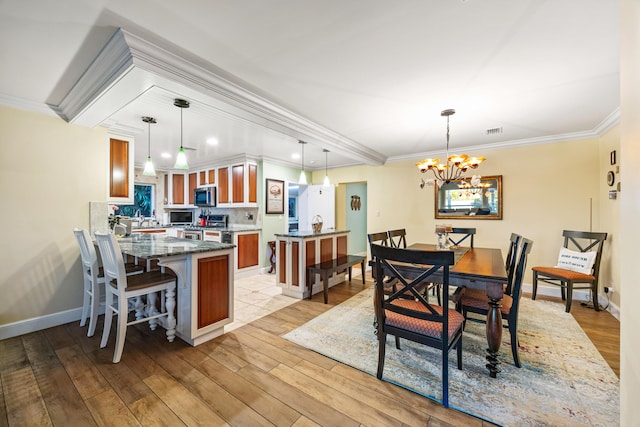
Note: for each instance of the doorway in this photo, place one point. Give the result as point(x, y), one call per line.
point(353, 209)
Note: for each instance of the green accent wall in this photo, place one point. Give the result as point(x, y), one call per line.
point(357, 218)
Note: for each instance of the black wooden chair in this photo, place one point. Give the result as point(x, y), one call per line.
point(415, 319)
point(463, 234)
point(382, 239)
point(476, 300)
point(583, 241)
point(510, 262)
point(398, 238)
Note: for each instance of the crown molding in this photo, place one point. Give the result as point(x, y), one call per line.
point(607, 124)
point(27, 105)
point(128, 66)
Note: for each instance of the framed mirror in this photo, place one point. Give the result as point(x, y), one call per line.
point(459, 200)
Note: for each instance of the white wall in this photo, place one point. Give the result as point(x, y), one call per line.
point(49, 171)
point(629, 211)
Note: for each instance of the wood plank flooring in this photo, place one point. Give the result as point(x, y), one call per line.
point(248, 377)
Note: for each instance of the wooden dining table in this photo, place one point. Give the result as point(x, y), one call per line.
point(475, 268)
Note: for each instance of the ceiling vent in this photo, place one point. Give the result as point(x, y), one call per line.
point(494, 131)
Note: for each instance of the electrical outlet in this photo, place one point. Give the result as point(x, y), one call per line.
point(608, 289)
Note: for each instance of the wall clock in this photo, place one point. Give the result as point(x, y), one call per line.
point(611, 178)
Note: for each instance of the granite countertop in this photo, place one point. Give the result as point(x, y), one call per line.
point(311, 233)
point(152, 246)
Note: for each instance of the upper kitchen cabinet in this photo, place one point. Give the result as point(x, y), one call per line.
point(179, 188)
point(207, 177)
point(121, 175)
point(237, 185)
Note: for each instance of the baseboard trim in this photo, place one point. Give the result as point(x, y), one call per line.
point(34, 324)
point(579, 296)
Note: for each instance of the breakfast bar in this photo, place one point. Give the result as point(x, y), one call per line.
point(298, 250)
point(204, 272)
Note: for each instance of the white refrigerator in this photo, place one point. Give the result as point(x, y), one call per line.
point(316, 200)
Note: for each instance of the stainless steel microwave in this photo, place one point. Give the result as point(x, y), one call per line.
point(205, 196)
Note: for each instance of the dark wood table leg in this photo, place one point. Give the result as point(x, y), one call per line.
point(362, 269)
point(494, 336)
point(349, 273)
point(325, 284)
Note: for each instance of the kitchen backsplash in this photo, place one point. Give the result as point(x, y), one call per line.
point(237, 216)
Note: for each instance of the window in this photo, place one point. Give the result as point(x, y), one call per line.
point(144, 201)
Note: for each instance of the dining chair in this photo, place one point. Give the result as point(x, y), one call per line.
point(476, 300)
point(93, 278)
point(381, 238)
point(120, 288)
point(415, 319)
point(578, 270)
point(510, 261)
point(398, 238)
point(466, 233)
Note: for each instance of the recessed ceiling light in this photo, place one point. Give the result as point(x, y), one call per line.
point(295, 156)
point(212, 141)
point(165, 155)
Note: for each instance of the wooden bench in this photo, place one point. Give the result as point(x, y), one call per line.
point(327, 268)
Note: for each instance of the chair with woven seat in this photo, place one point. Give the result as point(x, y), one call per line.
point(415, 319)
point(398, 238)
point(580, 266)
point(121, 287)
point(476, 300)
point(465, 233)
point(93, 278)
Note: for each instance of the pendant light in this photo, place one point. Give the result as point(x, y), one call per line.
point(149, 170)
point(181, 159)
point(326, 173)
point(303, 176)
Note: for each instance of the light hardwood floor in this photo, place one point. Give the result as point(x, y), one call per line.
point(248, 377)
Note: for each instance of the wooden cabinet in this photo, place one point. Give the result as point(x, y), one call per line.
point(253, 183)
point(248, 249)
point(213, 290)
point(295, 253)
point(118, 168)
point(193, 183)
point(223, 186)
point(207, 177)
point(204, 293)
point(120, 179)
point(237, 183)
point(178, 190)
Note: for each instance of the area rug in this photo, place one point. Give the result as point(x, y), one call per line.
point(563, 380)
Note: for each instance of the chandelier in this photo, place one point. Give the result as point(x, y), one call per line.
point(455, 167)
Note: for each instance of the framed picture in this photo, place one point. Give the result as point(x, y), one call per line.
point(275, 196)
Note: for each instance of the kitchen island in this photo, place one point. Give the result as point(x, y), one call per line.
point(297, 250)
point(204, 272)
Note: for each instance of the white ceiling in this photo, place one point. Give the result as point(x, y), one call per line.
point(374, 74)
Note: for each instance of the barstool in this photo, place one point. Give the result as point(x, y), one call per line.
point(93, 277)
point(124, 287)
